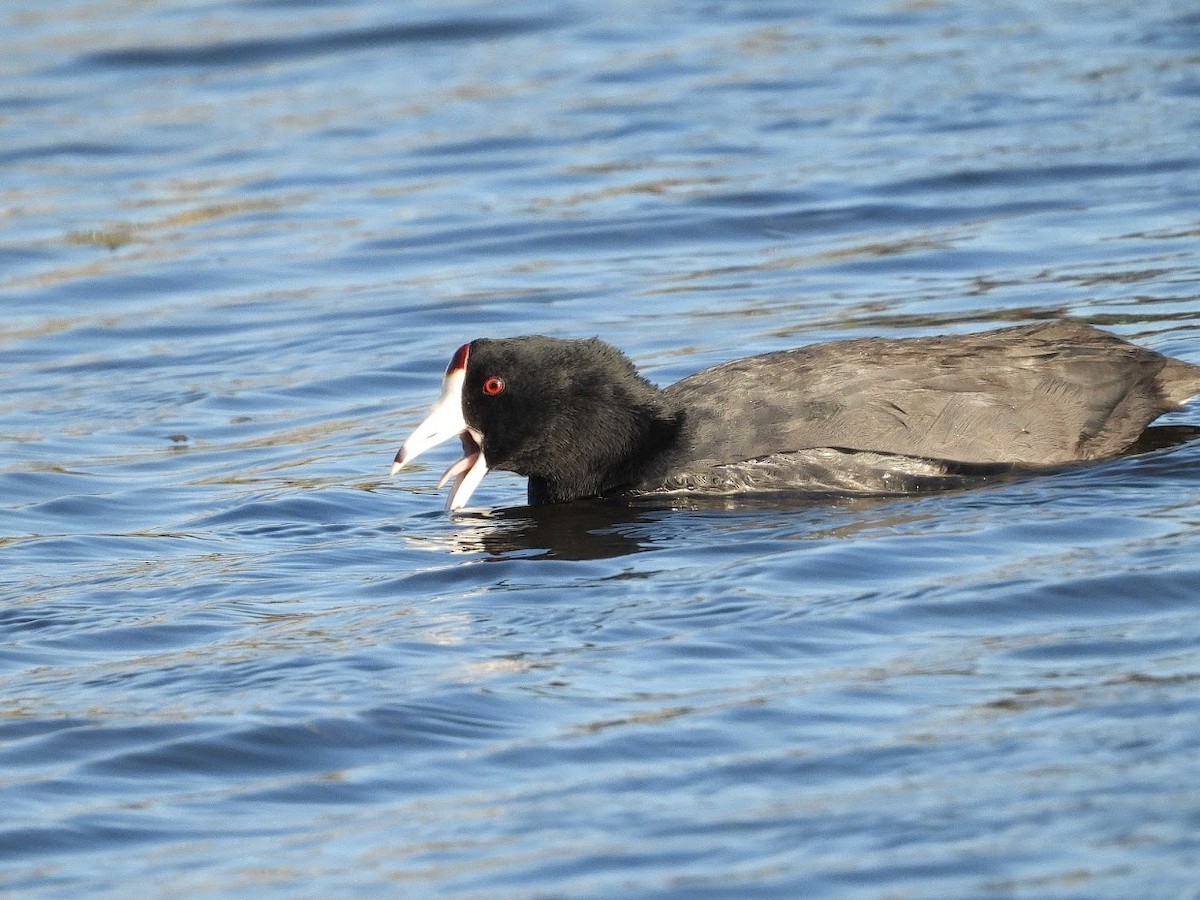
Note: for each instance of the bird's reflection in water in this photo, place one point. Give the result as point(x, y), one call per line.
point(1162, 437)
point(607, 529)
point(571, 531)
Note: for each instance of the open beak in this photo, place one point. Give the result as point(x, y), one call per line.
point(445, 420)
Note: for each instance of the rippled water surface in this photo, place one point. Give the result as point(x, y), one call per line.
point(238, 242)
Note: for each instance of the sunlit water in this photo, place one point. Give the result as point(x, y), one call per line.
point(238, 242)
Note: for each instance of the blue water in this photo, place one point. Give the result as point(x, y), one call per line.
point(238, 243)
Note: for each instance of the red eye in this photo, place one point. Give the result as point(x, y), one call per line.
point(493, 386)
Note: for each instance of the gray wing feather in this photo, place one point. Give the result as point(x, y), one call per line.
point(1037, 395)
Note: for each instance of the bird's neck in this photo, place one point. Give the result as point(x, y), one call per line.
point(653, 434)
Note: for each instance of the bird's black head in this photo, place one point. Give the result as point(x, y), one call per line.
point(573, 416)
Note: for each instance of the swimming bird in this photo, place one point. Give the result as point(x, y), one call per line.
point(868, 415)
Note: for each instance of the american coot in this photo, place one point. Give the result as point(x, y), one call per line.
point(871, 415)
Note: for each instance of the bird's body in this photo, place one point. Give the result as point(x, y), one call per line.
point(870, 415)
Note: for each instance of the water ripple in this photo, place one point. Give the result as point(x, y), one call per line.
point(258, 51)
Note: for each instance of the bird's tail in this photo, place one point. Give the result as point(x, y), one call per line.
point(1180, 381)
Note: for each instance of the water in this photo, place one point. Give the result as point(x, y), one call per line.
point(239, 241)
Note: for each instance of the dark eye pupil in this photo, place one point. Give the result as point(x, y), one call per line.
point(493, 386)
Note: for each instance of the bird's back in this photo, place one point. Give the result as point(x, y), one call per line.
point(1039, 395)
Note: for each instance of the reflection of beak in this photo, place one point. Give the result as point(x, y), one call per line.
point(445, 420)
